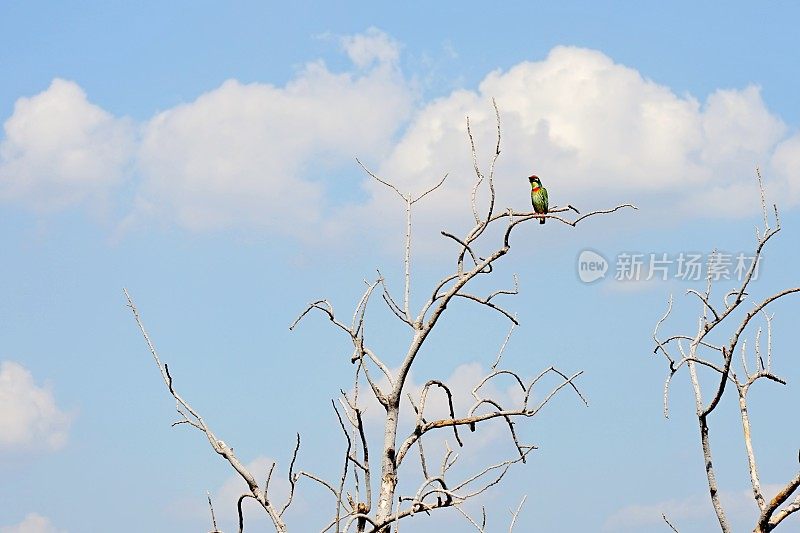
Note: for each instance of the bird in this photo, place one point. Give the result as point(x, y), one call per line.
point(538, 197)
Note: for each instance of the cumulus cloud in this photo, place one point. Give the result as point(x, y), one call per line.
point(29, 416)
point(597, 132)
point(271, 157)
point(60, 150)
point(226, 497)
point(786, 165)
point(373, 45)
point(257, 155)
point(32, 523)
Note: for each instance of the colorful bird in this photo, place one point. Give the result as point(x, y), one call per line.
point(538, 197)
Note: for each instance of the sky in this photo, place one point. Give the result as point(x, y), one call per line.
point(203, 156)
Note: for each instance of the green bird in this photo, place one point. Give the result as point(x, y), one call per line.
point(538, 197)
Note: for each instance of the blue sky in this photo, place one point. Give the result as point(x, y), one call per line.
point(203, 157)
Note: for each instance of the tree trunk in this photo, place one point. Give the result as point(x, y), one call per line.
point(388, 464)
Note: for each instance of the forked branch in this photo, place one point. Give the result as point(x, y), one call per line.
point(193, 418)
point(699, 351)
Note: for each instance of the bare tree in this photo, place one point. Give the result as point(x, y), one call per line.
point(701, 350)
point(360, 502)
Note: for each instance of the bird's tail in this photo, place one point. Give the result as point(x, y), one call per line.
point(541, 220)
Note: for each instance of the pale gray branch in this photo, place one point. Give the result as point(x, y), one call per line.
point(219, 446)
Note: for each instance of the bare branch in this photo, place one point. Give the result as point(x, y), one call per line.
point(269, 478)
point(365, 453)
point(218, 446)
point(770, 515)
point(479, 175)
point(735, 339)
point(435, 491)
point(292, 477)
point(465, 247)
point(473, 419)
point(763, 202)
point(704, 299)
point(515, 514)
point(213, 518)
point(319, 480)
point(673, 528)
point(357, 325)
point(501, 468)
point(581, 218)
point(487, 302)
point(424, 397)
point(768, 318)
point(779, 516)
point(379, 180)
point(494, 161)
point(407, 262)
point(751, 458)
point(347, 460)
point(239, 509)
point(505, 343)
point(387, 297)
point(470, 519)
point(659, 344)
point(432, 189)
point(767, 521)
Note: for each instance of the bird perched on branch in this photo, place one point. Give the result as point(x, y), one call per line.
point(538, 197)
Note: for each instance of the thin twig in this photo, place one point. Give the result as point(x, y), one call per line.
point(211, 507)
point(673, 528)
point(516, 513)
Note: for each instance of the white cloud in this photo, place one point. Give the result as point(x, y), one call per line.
point(29, 416)
point(226, 496)
point(598, 133)
point(256, 155)
point(738, 505)
point(60, 150)
point(234, 486)
point(263, 156)
point(373, 45)
point(32, 523)
point(738, 129)
point(786, 164)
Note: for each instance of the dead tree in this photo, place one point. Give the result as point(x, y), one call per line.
point(361, 502)
point(701, 350)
